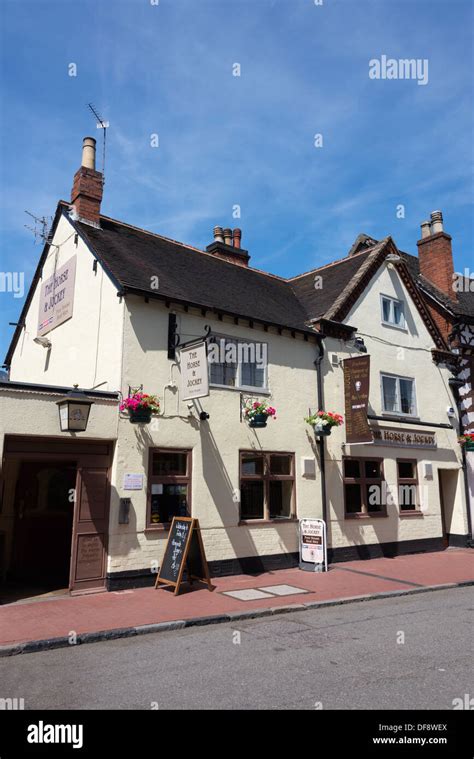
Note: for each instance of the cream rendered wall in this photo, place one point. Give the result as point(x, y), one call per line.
point(406, 353)
point(86, 349)
point(215, 443)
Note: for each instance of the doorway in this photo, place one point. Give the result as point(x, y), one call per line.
point(54, 516)
point(43, 520)
point(448, 482)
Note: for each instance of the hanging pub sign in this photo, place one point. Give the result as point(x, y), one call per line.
point(57, 297)
point(356, 399)
point(184, 550)
point(194, 372)
point(313, 549)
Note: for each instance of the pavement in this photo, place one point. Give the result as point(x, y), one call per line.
point(398, 653)
point(63, 620)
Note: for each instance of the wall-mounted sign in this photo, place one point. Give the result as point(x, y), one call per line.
point(404, 438)
point(57, 297)
point(313, 552)
point(356, 399)
point(132, 481)
point(194, 372)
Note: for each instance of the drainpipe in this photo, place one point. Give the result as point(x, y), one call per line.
point(320, 391)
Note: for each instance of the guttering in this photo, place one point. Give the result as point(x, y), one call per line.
point(30, 387)
point(320, 391)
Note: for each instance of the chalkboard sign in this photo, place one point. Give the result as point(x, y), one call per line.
point(184, 550)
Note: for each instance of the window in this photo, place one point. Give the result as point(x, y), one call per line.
point(408, 499)
point(364, 492)
point(236, 363)
point(267, 486)
point(398, 395)
point(393, 312)
point(169, 486)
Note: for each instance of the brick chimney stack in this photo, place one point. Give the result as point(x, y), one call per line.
point(227, 245)
point(435, 255)
point(86, 194)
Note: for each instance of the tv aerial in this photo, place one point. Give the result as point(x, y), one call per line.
point(100, 124)
point(41, 228)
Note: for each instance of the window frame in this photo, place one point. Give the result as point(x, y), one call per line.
point(168, 479)
point(393, 324)
point(399, 377)
point(409, 481)
point(363, 481)
point(266, 477)
point(238, 374)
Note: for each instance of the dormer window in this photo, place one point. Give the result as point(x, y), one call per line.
point(393, 312)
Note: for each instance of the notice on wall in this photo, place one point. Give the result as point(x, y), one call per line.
point(356, 399)
point(194, 372)
point(57, 297)
point(132, 481)
point(404, 438)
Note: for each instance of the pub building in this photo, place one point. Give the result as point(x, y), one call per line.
point(91, 480)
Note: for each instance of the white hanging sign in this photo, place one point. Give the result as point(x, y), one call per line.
point(194, 372)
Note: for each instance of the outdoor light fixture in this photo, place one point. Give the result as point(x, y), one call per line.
point(43, 341)
point(360, 345)
point(74, 411)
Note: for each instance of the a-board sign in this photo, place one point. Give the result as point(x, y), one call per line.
point(313, 551)
point(184, 551)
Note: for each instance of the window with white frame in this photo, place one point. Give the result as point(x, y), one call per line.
point(398, 395)
point(237, 363)
point(393, 312)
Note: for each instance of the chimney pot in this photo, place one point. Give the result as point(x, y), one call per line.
point(88, 152)
point(425, 229)
point(436, 222)
point(228, 236)
point(237, 237)
point(218, 234)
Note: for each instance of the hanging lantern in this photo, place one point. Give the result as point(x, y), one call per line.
point(74, 410)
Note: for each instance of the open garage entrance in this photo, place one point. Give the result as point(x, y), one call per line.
point(54, 516)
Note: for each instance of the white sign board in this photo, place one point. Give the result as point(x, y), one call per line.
point(313, 542)
point(194, 372)
point(57, 297)
point(133, 481)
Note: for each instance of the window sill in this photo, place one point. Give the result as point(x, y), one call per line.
point(411, 513)
point(242, 389)
point(159, 527)
point(285, 520)
point(394, 417)
point(361, 515)
point(394, 326)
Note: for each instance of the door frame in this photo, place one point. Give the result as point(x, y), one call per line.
point(84, 454)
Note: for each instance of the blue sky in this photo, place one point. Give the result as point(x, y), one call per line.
point(224, 140)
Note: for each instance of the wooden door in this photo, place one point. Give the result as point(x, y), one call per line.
point(91, 524)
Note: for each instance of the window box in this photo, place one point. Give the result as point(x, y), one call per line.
point(259, 420)
point(140, 415)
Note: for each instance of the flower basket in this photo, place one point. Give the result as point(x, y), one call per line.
point(257, 412)
point(140, 407)
point(322, 422)
point(140, 415)
point(467, 440)
point(259, 420)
